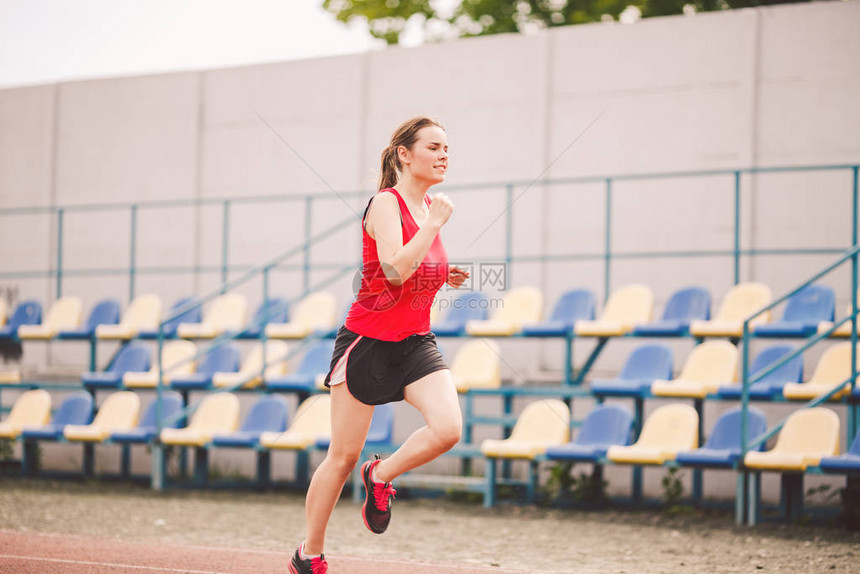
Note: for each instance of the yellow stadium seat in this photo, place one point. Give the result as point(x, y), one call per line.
point(143, 313)
point(176, 360)
point(434, 311)
point(10, 377)
point(477, 366)
point(626, 308)
point(312, 422)
point(708, 367)
point(844, 330)
point(217, 414)
point(4, 311)
point(542, 424)
point(65, 314)
point(276, 352)
point(833, 368)
point(669, 430)
point(739, 303)
point(227, 313)
point(521, 306)
point(316, 312)
point(31, 409)
point(119, 412)
point(808, 435)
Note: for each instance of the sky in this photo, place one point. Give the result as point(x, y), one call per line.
point(45, 41)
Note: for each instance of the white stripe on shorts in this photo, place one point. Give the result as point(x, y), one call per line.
point(338, 374)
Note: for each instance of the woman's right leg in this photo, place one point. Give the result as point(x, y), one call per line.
point(350, 421)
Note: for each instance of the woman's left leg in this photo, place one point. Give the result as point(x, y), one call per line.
point(436, 398)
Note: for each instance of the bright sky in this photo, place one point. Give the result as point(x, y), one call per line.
point(44, 41)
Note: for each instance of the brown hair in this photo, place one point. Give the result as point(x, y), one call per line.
point(405, 136)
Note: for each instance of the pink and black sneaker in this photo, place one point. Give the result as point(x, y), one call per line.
point(376, 511)
point(299, 565)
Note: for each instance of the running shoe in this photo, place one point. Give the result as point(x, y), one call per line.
point(376, 511)
point(299, 565)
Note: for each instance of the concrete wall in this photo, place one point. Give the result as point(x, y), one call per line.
point(745, 88)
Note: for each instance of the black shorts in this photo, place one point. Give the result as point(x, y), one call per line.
point(377, 372)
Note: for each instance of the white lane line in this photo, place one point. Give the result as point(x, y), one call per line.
point(109, 564)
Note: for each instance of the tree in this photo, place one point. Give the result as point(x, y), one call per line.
point(387, 19)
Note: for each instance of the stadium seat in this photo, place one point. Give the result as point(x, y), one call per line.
point(104, 312)
point(521, 306)
point(381, 431)
point(723, 447)
point(65, 313)
point(808, 435)
point(272, 311)
point(316, 312)
point(708, 366)
point(130, 358)
point(10, 377)
point(645, 364)
point(669, 430)
point(145, 431)
point(227, 313)
point(477, 365)
point(31, 409)
point(311, 423)
point(684, 306)
point(603, 427)
point(542, 424)
point(252, 366)
point(192, 315)
point(4, 311)
point(739, 303)
point(267, 414)
point(119, 412)
point(217, 414)
point(144, 312)
point(221, 359)
point(176, 361)
point(844, 330)
point(573, 306)
point(849, 462)
point(76, 409)
point(771, 385)
point(466, 307)
point(626, 308)
point(315, 362)
point(803, 312)
point(833, 368)
point(26, 313)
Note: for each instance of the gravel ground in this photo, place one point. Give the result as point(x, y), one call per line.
point(440, 530)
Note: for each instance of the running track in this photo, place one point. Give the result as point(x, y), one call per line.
point(32, 553)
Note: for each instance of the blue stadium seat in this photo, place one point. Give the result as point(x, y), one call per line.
point(145, 432)
point(381, 432)
point(193, 315)
point(467, 307)
point(267, 414)
point(573, 306)
point(281, 316)
point(645, 364)
point(605, 426)
point(315, 362)
point(771, 385)
point(684, 306)
point(222, 359)
point(803, 312)
point(26, 313)
point(133, 357)
point(76, 409)
point(723, 447)
point(849, 462)
point(105, 312)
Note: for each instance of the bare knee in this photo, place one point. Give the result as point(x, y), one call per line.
point(343, 462)
point(447, 433)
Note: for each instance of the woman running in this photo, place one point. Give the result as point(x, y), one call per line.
point(385, 351)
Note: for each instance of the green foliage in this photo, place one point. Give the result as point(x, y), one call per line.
point(583, 487)
point(673, 489)
point(6, 452)
point(388, 18)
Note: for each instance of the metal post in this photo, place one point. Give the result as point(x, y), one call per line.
point(607, 241)
point(132, 258)
point(60, 213)
point(225, 241)
point(745, 403)
point(157, 448)
point(737, 247)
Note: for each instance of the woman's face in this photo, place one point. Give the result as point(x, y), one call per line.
point(428, 158)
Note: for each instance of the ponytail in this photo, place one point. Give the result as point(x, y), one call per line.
point(406, 135)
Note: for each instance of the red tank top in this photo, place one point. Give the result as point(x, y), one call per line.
point(393, 312)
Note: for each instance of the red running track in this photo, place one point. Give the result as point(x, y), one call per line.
point(33, 553)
